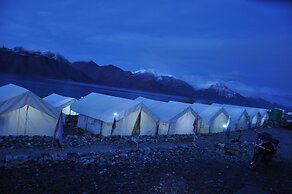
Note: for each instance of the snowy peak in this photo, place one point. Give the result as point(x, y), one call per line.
point(220, 87)
point(145, 71)
point(222, 90)
point(48, 54)
point(19, 61)
point(152, 74)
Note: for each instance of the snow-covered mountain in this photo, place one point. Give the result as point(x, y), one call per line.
point(220, 93)
point(20, 61)
point(152, 74)
point(111, 75)
point(223, 90)
point(49, 54)
point(164, 79)
point(217, 92)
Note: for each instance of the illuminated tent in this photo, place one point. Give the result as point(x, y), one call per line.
point(254, 116)
point(238, 116)
point(264, 115)
point(61, 102)
point(214, 118)
point(253, 113)
point(174, 117)
point(109, 115)
point(24, 113)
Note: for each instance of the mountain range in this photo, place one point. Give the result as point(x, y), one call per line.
point(22, 62)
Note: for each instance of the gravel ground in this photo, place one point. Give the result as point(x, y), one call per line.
point(91, 164)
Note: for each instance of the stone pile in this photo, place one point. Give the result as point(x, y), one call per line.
point(84, 138)
point(143, 155)
point(14, 142)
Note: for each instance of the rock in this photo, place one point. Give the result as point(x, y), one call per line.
point(124, 155)
point(147, 150)
point(46, 157)
point(184, 146)
point(58, 156)
point(18, 159)
point(72, 156)
point(8, 158)
point(87, 161)
point(22, 157)
point(221, 145)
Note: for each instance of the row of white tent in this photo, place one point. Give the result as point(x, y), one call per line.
point(24, 113)
point(108, 115)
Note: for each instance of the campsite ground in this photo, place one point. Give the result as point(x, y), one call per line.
point(89, 164)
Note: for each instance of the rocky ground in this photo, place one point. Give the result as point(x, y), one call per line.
point(164, 164)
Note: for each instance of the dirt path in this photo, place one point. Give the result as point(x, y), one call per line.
point(163, 167)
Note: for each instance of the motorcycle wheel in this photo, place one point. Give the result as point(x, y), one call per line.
point(256, 160)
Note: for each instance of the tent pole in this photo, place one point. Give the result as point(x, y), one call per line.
point(137, 128)
point(25, 129)
point(17, 132)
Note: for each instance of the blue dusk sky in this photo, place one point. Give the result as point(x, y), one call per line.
point(245, 44)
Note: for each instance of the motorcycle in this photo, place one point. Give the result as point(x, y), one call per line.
point(265, 149)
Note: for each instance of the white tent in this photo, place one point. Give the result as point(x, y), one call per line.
point(108, 115)
point(264, 115)
point(61, 102)
point(214, 118)
point(253, 113)
point(174, 117)
point(24, 113)
point(254, 116)
point(239, 118)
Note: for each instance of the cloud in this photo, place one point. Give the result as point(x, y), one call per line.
point(153, 71)
point(199, 82)
point(228, 79)
point(204, 81)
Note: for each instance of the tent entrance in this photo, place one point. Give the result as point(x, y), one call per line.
point(137, 128)
point(157, 129)
point(218, 122)
point(196, 125)
point(26, 116)
point(114, 125)
point(242, 123)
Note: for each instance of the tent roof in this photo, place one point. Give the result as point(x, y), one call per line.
point(233, 111)
point(10, 90)
point(59, 101)
point(14, 97)
point(263, 111)
point(103, 107)
point(166, 111)
point(183, 105)
point(251, 111)
point(207, 112)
